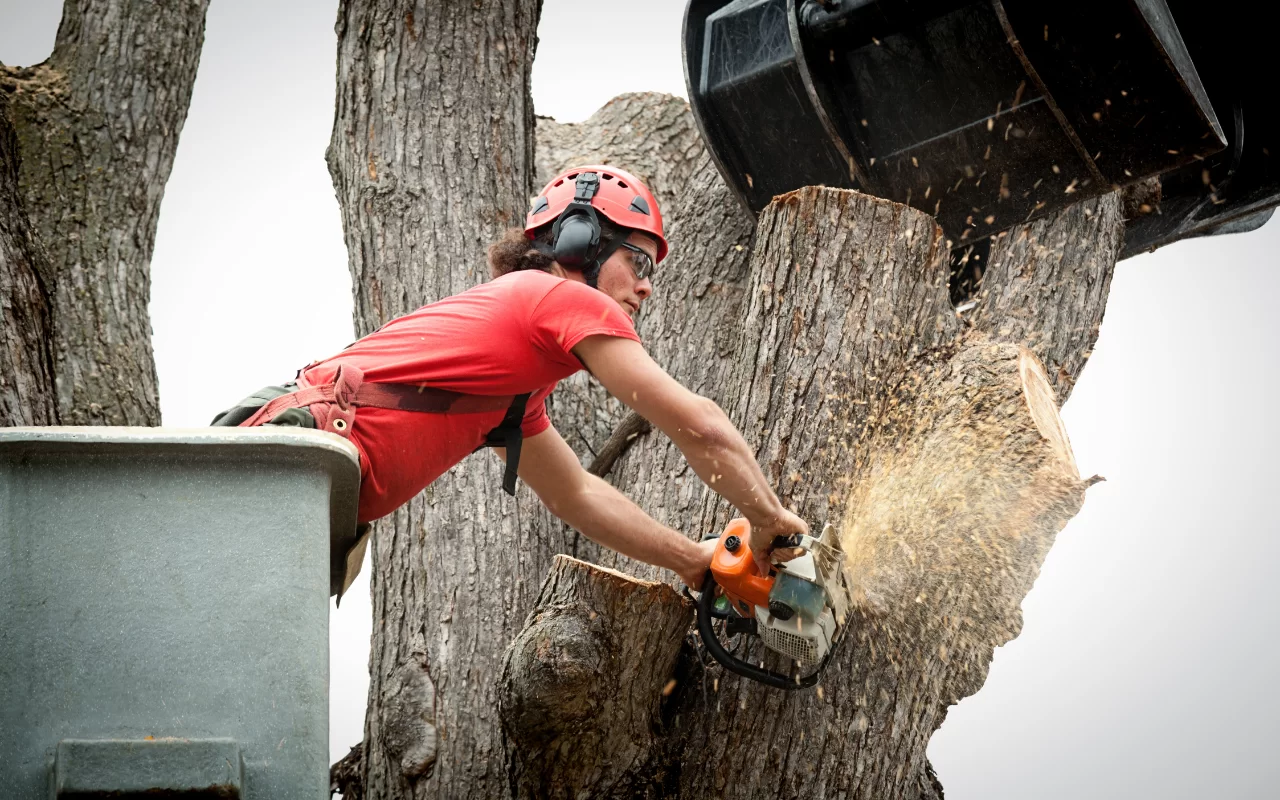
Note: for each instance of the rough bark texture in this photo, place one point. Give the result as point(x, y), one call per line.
point(587, 675)
point(432, 158)
point(26, 361)
point(650, 134)
point(1047, 282)
point(97, 128)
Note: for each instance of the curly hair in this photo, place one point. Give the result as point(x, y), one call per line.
point(515, 251)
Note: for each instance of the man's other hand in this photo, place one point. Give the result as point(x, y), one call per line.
point(696, 572)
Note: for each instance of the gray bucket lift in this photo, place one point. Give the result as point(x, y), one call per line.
point(164, 600)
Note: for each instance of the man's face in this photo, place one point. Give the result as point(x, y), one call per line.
point(618, 277)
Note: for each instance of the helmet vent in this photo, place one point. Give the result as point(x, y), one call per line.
point(607, 176)
point(623, 185)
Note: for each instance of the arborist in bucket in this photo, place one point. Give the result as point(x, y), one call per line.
point(470, 371)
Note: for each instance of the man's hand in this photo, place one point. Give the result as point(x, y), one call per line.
point(783, 523)
point(694, 574)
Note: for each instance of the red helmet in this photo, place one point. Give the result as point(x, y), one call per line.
point(620, 196)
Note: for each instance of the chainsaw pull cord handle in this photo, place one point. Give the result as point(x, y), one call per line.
point(706, 607)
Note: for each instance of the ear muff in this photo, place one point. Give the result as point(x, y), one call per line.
point(575, 238)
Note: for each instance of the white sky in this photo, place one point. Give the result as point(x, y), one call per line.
point(1145, 667)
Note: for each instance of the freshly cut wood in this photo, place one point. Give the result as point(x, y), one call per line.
point(587, 676)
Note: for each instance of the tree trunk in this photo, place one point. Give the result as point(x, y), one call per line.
point(26, 362)
point(432, 158)
point(97, 126)
point(572, 686)
point(818, 331)
point(864, 393)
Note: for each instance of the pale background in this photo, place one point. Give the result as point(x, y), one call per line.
point(1147, 664)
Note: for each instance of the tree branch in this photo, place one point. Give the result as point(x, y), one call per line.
point(631, 427)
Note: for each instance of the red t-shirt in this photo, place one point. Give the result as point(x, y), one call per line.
point(512, 335)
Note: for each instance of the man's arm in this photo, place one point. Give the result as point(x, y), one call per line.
point(601, 512)
point(709, 441)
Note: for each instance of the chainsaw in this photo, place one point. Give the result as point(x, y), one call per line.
point(798, 610)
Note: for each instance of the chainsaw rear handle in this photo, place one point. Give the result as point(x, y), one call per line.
point(706, 612)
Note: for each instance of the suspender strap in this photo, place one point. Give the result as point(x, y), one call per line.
point(509, 434)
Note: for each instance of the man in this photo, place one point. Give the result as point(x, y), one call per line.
point(473, 370)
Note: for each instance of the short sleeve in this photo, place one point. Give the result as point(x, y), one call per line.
point(535, 414)
point(571, 312)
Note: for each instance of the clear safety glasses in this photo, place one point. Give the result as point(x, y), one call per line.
point(641, 262)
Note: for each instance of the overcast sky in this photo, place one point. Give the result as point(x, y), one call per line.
point(1147, 661)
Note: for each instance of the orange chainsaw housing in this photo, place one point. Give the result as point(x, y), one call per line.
point(737, 573)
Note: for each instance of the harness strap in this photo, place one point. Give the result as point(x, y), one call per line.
point(510, 434)
point(349, 390)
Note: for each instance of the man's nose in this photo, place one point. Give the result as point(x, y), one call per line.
point(644, 288)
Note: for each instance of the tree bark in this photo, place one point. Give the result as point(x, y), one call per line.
point(432, 158)
point(1047, 283)
point(97, 127)
point(26, 361)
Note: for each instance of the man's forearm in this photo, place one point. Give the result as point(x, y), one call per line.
point(723, 460)
point(608, 517)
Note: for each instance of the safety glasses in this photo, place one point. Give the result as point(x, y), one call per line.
point(641, 262)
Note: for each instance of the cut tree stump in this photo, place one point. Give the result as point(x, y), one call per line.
point(586, 677)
